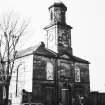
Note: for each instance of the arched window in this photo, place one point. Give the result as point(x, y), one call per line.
point(77, 74)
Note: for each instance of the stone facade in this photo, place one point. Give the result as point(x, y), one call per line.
point(96, 98)
point(51, 75)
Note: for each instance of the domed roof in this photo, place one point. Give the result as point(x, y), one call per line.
point(59, 4)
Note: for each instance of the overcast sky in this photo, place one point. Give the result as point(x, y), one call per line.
point(87, 17)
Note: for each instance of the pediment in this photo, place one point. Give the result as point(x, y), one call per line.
point(46, 52)
point(65, 56)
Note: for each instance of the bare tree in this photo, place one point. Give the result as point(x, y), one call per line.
point(11, 29)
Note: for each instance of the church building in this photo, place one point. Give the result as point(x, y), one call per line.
point(50, 74)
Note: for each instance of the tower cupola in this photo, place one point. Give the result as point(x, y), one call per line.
point(58, 32)
point(57, 12)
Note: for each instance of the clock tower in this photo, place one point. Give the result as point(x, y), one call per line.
point(58, 32)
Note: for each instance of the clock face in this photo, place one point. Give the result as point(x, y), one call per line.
point(50, 37)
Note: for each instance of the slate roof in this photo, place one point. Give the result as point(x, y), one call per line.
point(41, 50)
point(72, 57)
point(38, 49)
point(80, 60)
point(26, 52)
